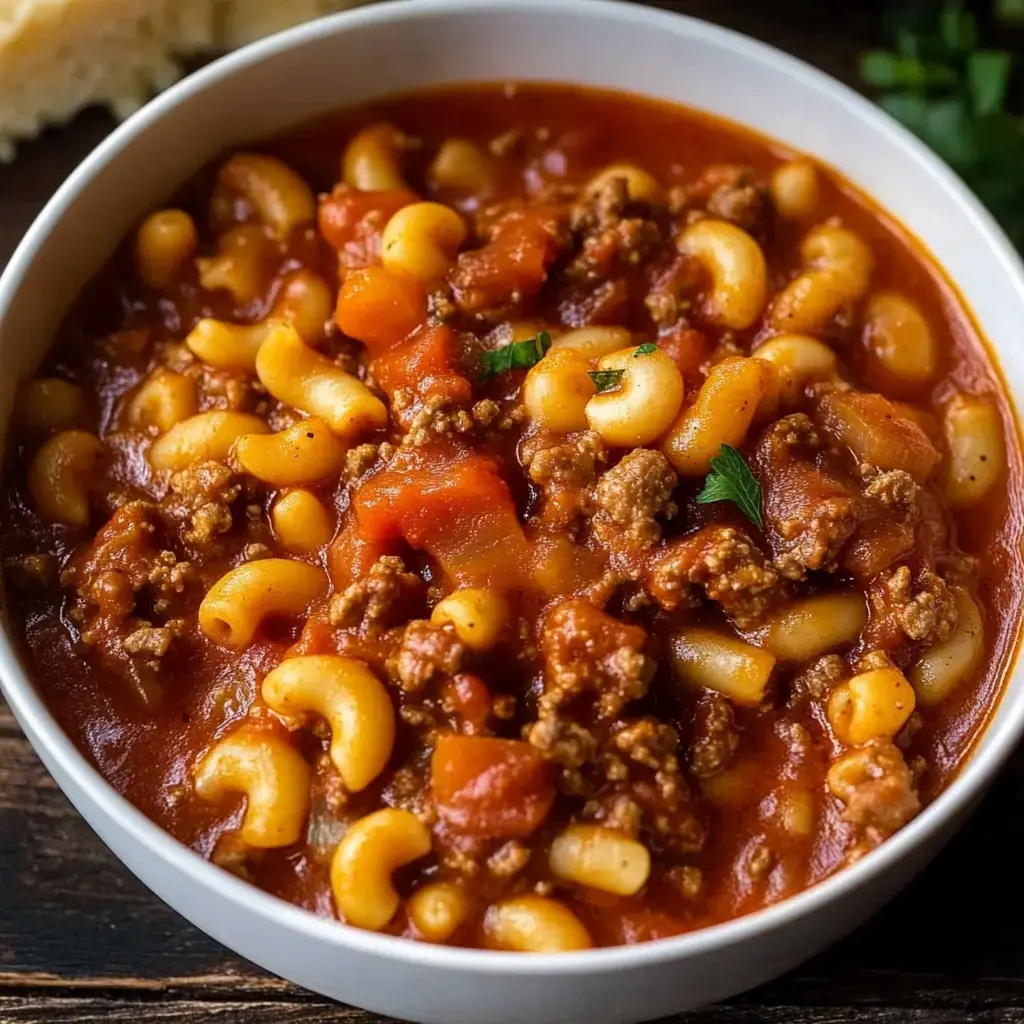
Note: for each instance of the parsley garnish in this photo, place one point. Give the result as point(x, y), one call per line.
point(645, 349)
point(518, 355)
point(605, 380)
point(957, 95)
point(730, 479)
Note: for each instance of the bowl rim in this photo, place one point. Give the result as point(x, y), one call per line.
point(29, 709)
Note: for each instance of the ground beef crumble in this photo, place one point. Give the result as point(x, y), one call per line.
point(564, 472)
point(818, 680)
point(877, 789)
point(729, 191)
point(715, 737)
point(904, 606)
point(722, 560)
point(630, 496)
point(202, 495)
point(809, 514)
point(376, 599)
point(587, 651)
point(425, 652)
point(610, 229)
point(562, 741)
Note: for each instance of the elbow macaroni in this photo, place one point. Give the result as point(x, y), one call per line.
point(717, 661)
point(944, 666)
point(799, 361)
point(805, 629)
point(600, 858)
point(236, 605)
point(301, 523)
point(837, 267)
point(587, 342)
point(61, 473)
point(645, 403)
point(305, 301)
point(368, 855)
point(228, 346)
point(736, 391)
point(280, 198)
point(795, 189)
point(898, 339)
point(556, 391)
point(421, 240)
point(303, 454)
point(164, 400)
point(462, 165)
point(534, 924)
point(272, 775)
point(640, 186)
point(207, 436)
point(240, 265)
point(350, 698)
point(871, 705)
point(737, 269)
point(371, 160)
point(479, 616)
point(438, 909)
point(977, 449)
point(164, 243)
point(302, 378)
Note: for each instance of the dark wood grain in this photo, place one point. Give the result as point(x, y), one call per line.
point(82, 941)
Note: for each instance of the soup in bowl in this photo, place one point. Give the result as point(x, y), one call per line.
point(518, 517)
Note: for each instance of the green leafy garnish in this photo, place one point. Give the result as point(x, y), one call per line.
point(605, 380)
point(518, 355)
point(730, 479)
point(645, 349)
point(1010, 11)
point(958, 95)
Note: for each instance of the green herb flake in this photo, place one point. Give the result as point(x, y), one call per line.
point(645, 349)
point(957, 28)
point(1010, 11)
point(730, 479)
point(518, 355)
point(886, 70)
point(988, 75)
point(605, 380)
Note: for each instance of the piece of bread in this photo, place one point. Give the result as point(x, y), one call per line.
point(58, 56)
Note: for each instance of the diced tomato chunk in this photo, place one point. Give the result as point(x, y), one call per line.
point(467, 695)
point(352, 221)
point(352, 554)
point(317, 637)
point(686, 347)
point(424, 365)
point(457, 509)
point(379, 308)
point(515, 260)
point(501, 789)
point(876, 433)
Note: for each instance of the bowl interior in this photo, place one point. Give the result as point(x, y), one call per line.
point(399, 47)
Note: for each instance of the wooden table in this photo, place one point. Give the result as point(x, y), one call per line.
point(81, 940)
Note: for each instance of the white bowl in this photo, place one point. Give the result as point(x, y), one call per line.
point(399, 46)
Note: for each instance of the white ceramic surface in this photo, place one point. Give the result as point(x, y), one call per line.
point(399, 46)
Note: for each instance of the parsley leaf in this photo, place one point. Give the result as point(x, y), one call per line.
point(645, 349)
point(988, 75)
point(605, 380)
point(730, 479)
point(1010, 11)
point(959, 95)
point(518, 355)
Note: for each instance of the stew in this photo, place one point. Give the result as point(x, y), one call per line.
point(519, 516)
